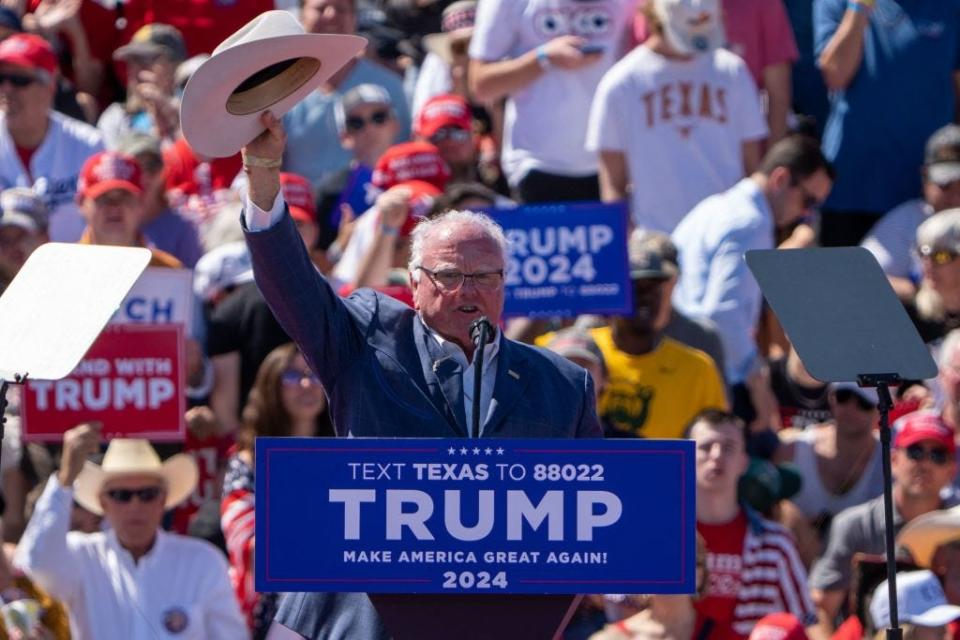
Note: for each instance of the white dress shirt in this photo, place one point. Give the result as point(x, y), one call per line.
point(179, 589)
point(257, 219)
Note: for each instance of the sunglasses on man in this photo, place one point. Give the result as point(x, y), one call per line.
point(938, 257)
point(358, 123)
point(146, 495)
point(17, 80)
point(937, 455)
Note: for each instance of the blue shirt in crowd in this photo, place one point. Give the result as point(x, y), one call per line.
point(901, 94)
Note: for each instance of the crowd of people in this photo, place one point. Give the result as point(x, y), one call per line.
point(722, 125)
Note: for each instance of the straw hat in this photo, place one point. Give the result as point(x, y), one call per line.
point(922, 535)
point(270, 63)
point(134, 456)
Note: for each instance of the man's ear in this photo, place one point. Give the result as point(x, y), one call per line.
point(780, 179)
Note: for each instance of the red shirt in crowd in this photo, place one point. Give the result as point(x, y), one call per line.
point(724, 562)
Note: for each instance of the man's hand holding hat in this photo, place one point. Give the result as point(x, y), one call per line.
point(79, 443)
point(262, 158)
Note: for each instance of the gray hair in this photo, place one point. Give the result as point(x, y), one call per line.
point(948, 347)
point(447, 223)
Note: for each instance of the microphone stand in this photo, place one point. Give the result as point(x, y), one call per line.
point(480, 334)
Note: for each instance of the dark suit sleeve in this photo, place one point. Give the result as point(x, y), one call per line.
point(326, 328)
point(589, 425)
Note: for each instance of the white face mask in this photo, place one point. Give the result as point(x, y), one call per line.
point(691, 27)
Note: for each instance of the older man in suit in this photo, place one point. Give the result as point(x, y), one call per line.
point(393, 371)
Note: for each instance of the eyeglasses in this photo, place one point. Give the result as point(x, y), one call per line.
point(454, 134)
point(938, 257)
point(295, 377)
point(357, 123)
point(17, 80)
point(810, 201)
point(145, 495)
point(451, 280)
point(937, 455)
point(845, 395)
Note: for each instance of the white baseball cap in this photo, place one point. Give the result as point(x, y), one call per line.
point(920, 601)
point(691, 26)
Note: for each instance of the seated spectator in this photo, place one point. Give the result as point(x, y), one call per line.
point(446, 122)
point(384, 266)
point(444, 69)
point(112, 202)
point(286, 400)
point(791, 182)
point(151, 58)
point(935, 310)
point(368, 126)
point(922, 462)
point(839, 460)
point(744, 583)
point(183, 584)
point(891, 240)
point(921, 604)
point(801, 398)
point(39, 147)
point(164, 227)
point(678, 119)
point(314, 149)
point(655, 385)
point(404, 162)
point(23, 228)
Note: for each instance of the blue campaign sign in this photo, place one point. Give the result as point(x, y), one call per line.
point(417, 515)
point(566, 259)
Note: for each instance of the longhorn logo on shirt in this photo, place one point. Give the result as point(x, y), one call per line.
point(684, 105)
point(175, 620)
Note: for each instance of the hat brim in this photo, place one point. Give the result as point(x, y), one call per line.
point(439, 43)
point(21, 220)
point(937, 616)
point(179, 473)
point(139, 50)
point(922, 535)
point(216, 132)
point(100, 188)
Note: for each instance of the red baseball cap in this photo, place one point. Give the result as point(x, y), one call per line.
point(29, 51)
point(422, 195)
point(298, 194)
point(446, 110)
point(778, 626)
point(410, 161)
point(108, 170)
point(925, 425)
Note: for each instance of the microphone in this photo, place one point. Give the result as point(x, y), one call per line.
point(481, 331)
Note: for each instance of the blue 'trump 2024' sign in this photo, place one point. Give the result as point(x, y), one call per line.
point(566, 259)
point(475, 516)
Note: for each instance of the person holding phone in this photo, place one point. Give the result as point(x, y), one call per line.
point(546, 57)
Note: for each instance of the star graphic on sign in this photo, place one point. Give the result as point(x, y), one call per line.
point(499, 451)
point(476, 451)
point(463, 451)
point(451, 451)
point(488, 451)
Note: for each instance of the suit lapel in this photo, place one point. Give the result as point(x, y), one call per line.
point(511, 381)
point(444, 378)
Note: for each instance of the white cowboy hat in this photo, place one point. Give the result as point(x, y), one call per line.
point(270, 63)
point(922, 535)
point(133, 456)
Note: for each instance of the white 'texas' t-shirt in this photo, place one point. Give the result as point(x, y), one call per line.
point(681, 125)
point(545, 122)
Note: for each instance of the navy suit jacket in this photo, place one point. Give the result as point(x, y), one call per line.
point(386, 376)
